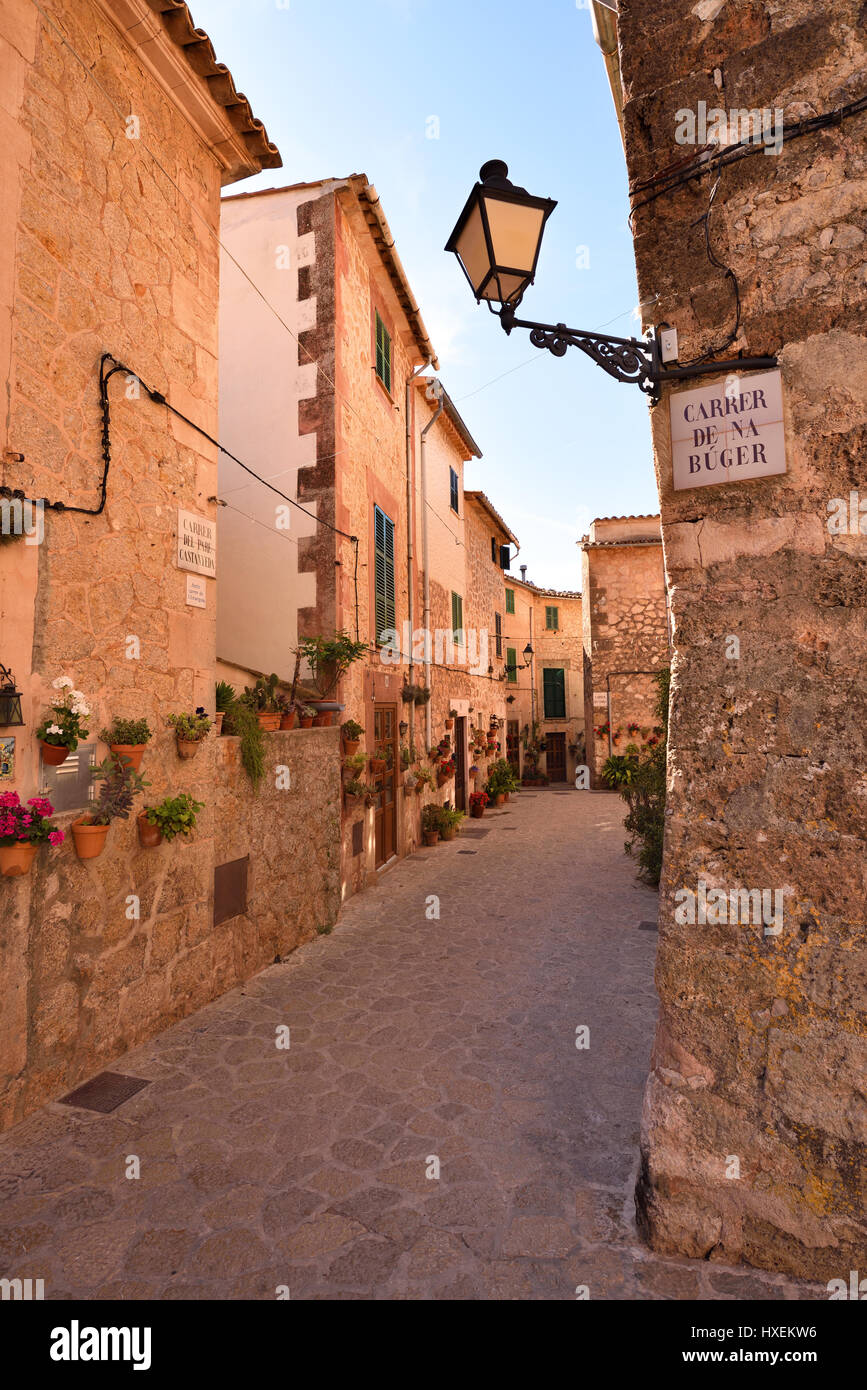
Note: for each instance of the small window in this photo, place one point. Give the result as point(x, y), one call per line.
point(512, 665)
point(510, 600)
point(552, 619)
point(554, 692)
point(498, 633)
point(70, 787)
point(383, 354)
point(454, 487)
point(495, 550)
point(458, 619)
point(383, 573)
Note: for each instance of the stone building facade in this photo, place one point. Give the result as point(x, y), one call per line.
point(754, 1136)
point(625, 634)
point(118, 136)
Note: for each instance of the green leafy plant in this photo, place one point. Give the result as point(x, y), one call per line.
point(405, 758)
point(241, 720)
point(424, 777)
point(119, 785)
point(175, 816)
point(192, 728)
point(330, 657)
point(224, 695)
point(355, 762)
point(356, 787)
point(64, 725)
point(619, 770)
point(432, 817)
point(421, 695)
point(645, 795)
point(129, 731)
point(450, 818)
point(307, 711)
point(352, 731)
point(501, 778)
point(264, 695)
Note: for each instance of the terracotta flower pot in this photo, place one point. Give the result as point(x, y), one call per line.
point(377, 765)
point(53, 754)
point(449, 833)
point(449, 723)
point(307, 721)
point(16, 860)
point(89, 839)
point(188, 748)
point(134, 752)
point(149, 835)
point(269, 722)
point(508, 796)
point(218, 721)
point(442, 778)
point(321, 721)
point(350, 746)
point(500, 798)
point(431, 838)
point(477, 812)
point(287, 721)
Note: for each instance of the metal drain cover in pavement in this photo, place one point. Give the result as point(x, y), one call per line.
point(647, 926)
point(105, 1092)
point(468, 851)
point(469, 834)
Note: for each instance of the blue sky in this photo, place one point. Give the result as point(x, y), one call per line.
point(344, 87)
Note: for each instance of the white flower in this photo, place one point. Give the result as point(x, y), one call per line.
point(63, 683)
point(80, 708)
point(54, 729)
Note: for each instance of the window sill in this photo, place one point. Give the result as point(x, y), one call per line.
point(383, 388)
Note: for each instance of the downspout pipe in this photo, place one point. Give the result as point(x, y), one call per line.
point(410, 527)
point(434, 393)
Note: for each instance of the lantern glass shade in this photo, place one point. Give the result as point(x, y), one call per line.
point(528, 651)
point(10, 707)
point(498, 236)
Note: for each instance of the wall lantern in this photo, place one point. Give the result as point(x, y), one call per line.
point(403, 726)
point(528, 653)
point(497, 241)
point(10, 700)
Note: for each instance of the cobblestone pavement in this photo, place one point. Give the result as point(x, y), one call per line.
point(410, 1038)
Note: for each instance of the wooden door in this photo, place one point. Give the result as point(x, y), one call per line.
point(460, 764)
point(555, 764)
point(385, 783)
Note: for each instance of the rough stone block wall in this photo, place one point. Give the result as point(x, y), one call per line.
point(762, 1042)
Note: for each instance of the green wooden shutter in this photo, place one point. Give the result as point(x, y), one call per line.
point(510, 600)
point(458, 619)
point(512, 665)
point(383, 353)
point(383, 572)
point(554, 690)
point(552, 618)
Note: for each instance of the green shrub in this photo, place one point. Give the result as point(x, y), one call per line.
point(175, 816)
point(224, 694)
point(432, 817)
point(241, 720)
point(128, 731)
point(645, 796)
point(619, 770)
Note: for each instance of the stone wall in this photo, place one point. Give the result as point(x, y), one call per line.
point(561, 648)
point(754, 1135)
point(625, 633)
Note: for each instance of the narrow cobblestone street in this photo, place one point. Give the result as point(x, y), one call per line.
point(411, 1037)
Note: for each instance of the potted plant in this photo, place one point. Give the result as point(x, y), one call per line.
point(329, 658)
point(356, 790)
point(424, 778)
point(224, 698)
point(407, 693)
point(352, 732)
point(409, 781)
point(450, 822)
point(422, 695)
point(264, 698)
point(405, 758)
point(446, 772)
point(62, 729)
point(23, 829)
point(354, 763)
point(431, 821)
point(174, 816)
point(306, 715)
point(288, 712)
point(190, 731)
point(127, 739)
point(450, 722)
point(120, 785)
point(241, 722)
point(501, 781)
point(478, 802)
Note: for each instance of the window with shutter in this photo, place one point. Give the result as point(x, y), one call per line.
point(512, 665)
point(552, 619)
point(383, 573)
point(454, 485)
point(458, 619)
point(498, 633)
point(554, 692)
point(383, 354)
point(510, 600)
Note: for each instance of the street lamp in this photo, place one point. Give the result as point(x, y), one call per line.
point(10, 701)
point(497, 241)
point(528, 653)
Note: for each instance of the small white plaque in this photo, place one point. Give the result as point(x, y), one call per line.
point(729, 431)
point(197, 544)
point(600, 699)
point(196, 592)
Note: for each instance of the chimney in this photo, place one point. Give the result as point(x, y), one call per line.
point(524, 573)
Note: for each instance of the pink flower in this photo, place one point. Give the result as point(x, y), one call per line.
point(26, 820)
point(56, 837)
point(9, 799)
